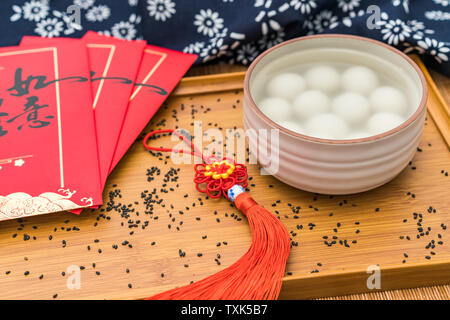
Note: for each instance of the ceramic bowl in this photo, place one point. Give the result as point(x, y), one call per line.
point(336, 166)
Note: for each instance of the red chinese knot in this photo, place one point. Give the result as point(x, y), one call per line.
point(216, 178)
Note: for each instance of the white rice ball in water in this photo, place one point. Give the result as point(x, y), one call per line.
point(327, 126)
point(382, 122)
point(352, 107)
point(323, 78)
point(359, 79)
point(286, 85)
point(293, 126)
point(388, 99)
point(276, 109)
point(310, 103)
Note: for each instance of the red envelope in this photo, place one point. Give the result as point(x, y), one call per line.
point(160, 71)
point(114, 64)
point(48, 151)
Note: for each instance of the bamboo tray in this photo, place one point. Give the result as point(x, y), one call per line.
point(128, 243)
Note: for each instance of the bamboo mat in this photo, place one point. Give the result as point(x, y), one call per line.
point(423, 293)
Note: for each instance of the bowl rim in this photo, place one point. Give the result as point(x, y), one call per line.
point(407, 122)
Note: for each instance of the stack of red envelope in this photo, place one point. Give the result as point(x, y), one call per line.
point(69, 110)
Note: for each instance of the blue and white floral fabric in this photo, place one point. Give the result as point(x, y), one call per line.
point(236, 31)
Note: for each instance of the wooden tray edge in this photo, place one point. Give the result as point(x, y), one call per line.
point(355, 281)
point(210, 83)
point(439, 111)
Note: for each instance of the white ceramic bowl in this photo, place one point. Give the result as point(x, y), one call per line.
point(337, 166)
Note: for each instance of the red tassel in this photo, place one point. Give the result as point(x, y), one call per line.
point(258, 274)
point(255, 276)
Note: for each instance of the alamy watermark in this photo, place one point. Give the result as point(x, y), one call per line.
point(73, 13)
point(73, 281)
point(374, 280)
point(263, 146)
point(374, 18)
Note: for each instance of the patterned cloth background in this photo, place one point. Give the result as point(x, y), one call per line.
point(236, 31)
